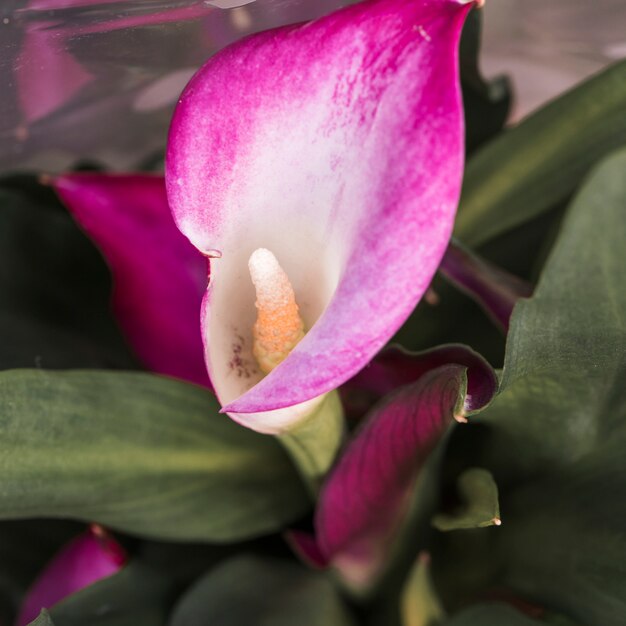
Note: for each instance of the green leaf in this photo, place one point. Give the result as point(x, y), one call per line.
point(136, 595)
point(54, 310)
point(261, 592)
point(492, 615)
point(420, 603)
point(556, 434)
point(43, 619)
point(486, 103)
point(479, 493)
point(566, 353)
point(313, 444)
point(539, 163)
point(140, 453)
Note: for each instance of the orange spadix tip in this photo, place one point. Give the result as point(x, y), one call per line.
point(278, 327)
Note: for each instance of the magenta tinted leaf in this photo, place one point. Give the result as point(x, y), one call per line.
point(394, 367)
point(159, 278)
point(366, 495)
point(494, 289)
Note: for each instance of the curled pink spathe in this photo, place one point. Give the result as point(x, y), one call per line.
point(337, 145)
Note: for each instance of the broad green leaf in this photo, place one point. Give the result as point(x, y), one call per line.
point(536, 165)
point(557, 432)
point(481, 507)
point(136, 595)
point(420, 603)
point(141, 453)
point(261, 592)
point(54, 309)
point(565, 361)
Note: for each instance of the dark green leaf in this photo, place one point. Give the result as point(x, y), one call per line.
point(454, 318)
point(25, 547)
point(539, 163)
point(492, 615)
point(557, 432)
point(261, 592)
point(486, 103)
point(140, 453)
point(54, 310)
point(481, 508)
point(565, 361)
point(135, 596)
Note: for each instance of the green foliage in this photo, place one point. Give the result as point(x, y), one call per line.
point(43, 619)
point(486, 103)
point(556, 434)
point(480, 508)
point(538, 164)
point(25, 547)
point(566, 349)
point(420, 603)
point(54, 309)
point(140, 453)
point(261, 592)
point(314, 443)
point(135, 595)
point(492, 615)
point(153, 457)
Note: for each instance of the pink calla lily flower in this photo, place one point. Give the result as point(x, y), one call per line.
point(336, 145)
point(88, 558)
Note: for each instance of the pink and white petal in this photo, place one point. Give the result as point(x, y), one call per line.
point(159, 277)
point(83, 561)
point(337, 145)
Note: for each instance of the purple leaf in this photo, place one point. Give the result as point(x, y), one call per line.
point(494, 289)
point(367, 495)
point(394, 367)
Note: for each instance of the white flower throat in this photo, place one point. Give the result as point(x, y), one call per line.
point(278, 327)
